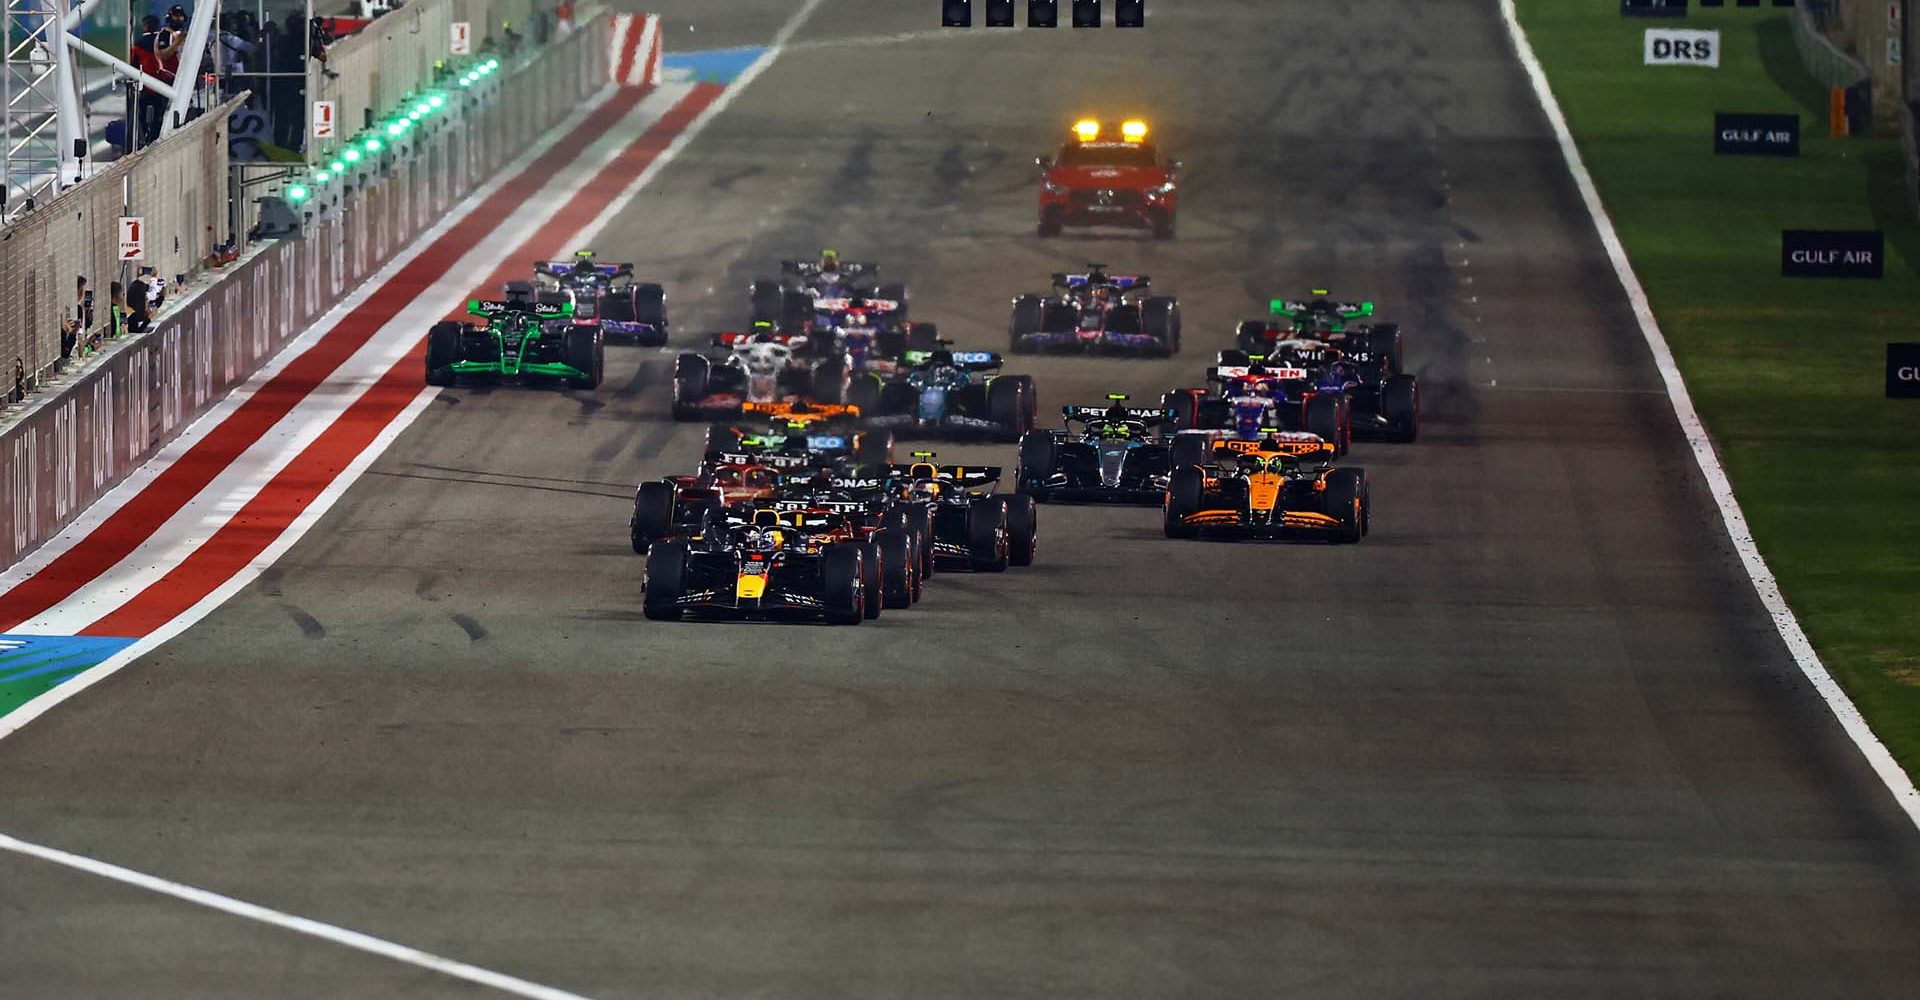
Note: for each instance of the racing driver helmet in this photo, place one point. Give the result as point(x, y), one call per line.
point(829, 261)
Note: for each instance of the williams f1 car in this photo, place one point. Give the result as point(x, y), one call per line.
point(521, 337)
point(946, 393)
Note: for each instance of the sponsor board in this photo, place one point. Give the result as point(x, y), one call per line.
point(1832, 253)
point(1736, 134)
point(1903, 371)
point(1653, 8)
point(1681, 47)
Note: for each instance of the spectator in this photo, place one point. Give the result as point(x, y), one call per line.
point(289, 97)
point(152, 107)
point(116, 311)
point(69, 336)
point(138, 319)
point(19, 392)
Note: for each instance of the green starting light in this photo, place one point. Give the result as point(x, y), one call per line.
point(395, 128)
point(297, 192)
point(423, 108)
point(336, 166)
point(435, 100)
point(351, 155)
point(413, 116)
point(321, 177)
point(373, 144)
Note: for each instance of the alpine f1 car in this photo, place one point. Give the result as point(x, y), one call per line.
point(1383, 404)
point(762, 368)
point(946, 393)
point(521, 337)
point(810, 294)
point(798, 566)
point(1323, 319)
point(1096, 313)
point(607, 296)
point(1282, 486)
point(1106, 454)
point(1107, 175)
point(972, 529)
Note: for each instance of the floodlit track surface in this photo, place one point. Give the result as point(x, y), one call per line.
point(1534, 737)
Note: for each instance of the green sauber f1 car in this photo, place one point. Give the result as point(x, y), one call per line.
point(522, 337)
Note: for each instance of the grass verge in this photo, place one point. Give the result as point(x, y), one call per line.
point(1787, 373)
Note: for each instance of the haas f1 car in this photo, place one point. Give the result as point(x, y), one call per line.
point(1096, 313)
point(521, 337)
point(762, 368)
point(1282, 486)
point(605, 295)
point(1108, 176)
point(1106, 454)
point(946, 393)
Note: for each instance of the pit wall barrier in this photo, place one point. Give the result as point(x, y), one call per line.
point(177, 188)
point(69, 448)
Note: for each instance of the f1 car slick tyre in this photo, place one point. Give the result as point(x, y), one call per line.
point(897, 571)
point(1023, 529)
point(1160, 319)
point(1234, 357)
point(650, 307)
point(666, 580)
point(1188, 450)
point(689, 385)
point(1010, 403)
point(1400, 404)
point(1346, 498)
point(1250, 337)
point(830, 381)
point(1028, 312)
point(1163, 225)
point(922, 336)
point(652, 514)
point(586, 350)
point(1385, 342)
point(987, 534)
point(874, 447)
point(1185, 490)
point(443, 350)
point(720, 438)
point(917, 521)
point(895, 293)
point(873, 580)
point(841, 595)
point(1325, 416)
point(1036, 463)
point(1183, 406)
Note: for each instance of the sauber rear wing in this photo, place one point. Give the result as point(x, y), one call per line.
point(543, 310)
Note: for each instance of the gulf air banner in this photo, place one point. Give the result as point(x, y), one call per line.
point(635, 50)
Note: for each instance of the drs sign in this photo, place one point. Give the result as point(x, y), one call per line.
point(1676, 47)
point(1903, 371)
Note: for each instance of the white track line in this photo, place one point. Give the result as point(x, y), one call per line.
point(1843, 708)
point(287, 921)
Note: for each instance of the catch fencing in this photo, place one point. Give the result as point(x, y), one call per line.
point(68, 448)
point(1824, 60)
point(176, 187)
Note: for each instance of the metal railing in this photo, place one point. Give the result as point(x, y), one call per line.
point(1823, 59)
point(177, 187)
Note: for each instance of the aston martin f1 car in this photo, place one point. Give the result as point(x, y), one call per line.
point(522, 337)
point(798, 566)
point(1096, 313)
point(761, 368)
point(607, 296)
point(946, 393)
point(972, 529)
point(1106, 454)
point(1283, 486)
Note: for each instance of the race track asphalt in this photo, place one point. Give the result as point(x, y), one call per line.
point(1533, 738)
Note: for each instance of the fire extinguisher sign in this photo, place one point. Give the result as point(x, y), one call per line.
point(462, 42)
point(325, 119)
point(133, 238)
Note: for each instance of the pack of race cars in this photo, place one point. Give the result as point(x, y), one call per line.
point(798, 507)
